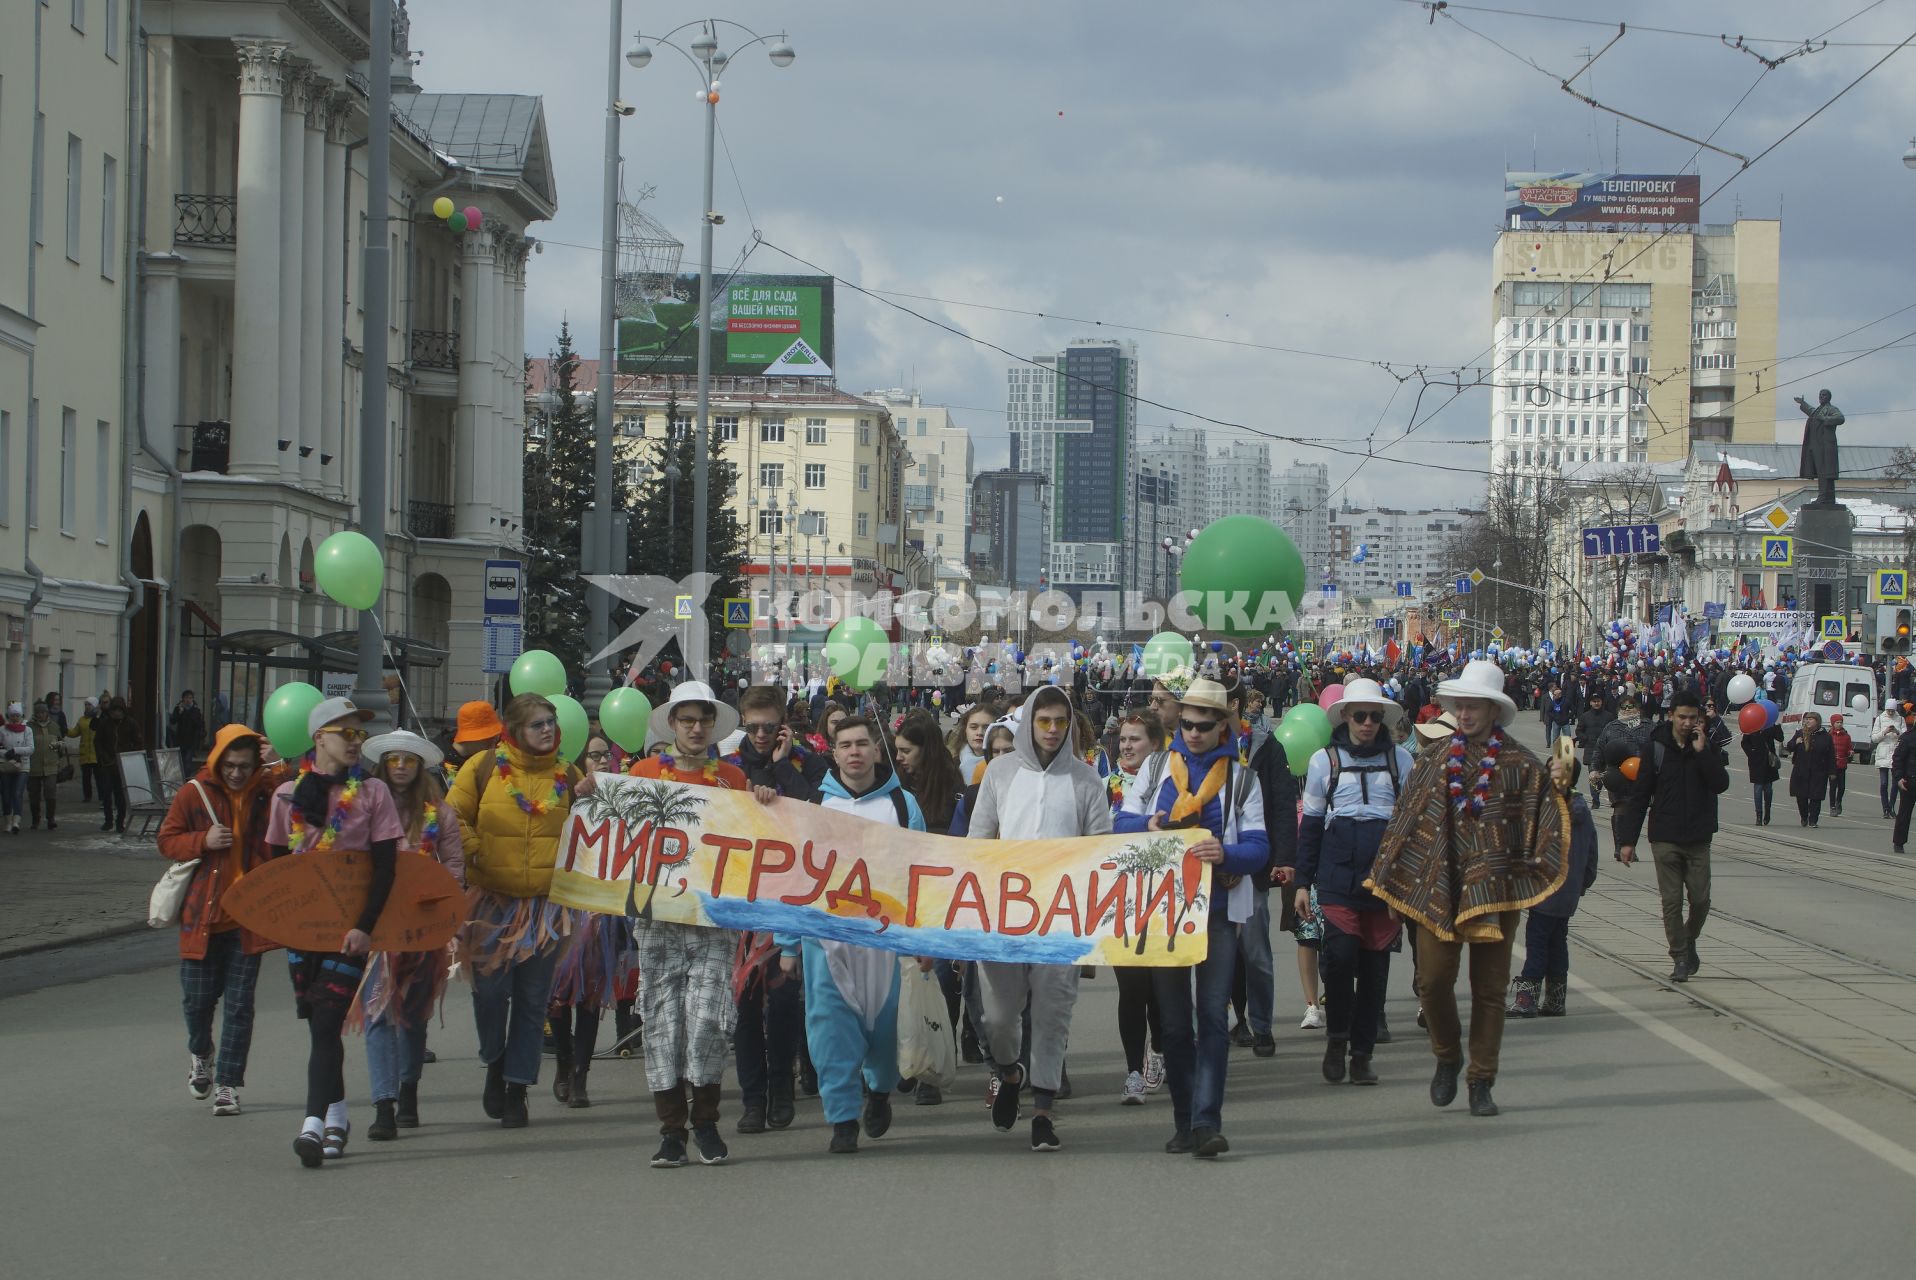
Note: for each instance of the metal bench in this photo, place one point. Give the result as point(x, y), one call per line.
point(151, 780)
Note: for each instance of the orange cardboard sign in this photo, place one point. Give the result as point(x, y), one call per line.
point(309, 901)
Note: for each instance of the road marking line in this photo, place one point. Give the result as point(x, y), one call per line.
point(1891, 1153)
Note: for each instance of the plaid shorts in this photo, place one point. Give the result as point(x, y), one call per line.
point(685, 996)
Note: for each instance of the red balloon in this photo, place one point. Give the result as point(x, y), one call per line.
point(473, 216)
point(1751, 719)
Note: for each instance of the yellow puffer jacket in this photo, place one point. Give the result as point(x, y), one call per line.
point(508, 850)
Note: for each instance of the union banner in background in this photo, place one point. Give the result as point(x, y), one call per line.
point(703, 855)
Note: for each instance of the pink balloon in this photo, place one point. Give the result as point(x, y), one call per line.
point(472, 216)
point(1330, 693)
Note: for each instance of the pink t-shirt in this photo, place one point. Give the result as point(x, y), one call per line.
point(373, 816)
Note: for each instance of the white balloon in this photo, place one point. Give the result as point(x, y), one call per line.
point(1001, 199)
point(1741, 689)
point(1860, 703)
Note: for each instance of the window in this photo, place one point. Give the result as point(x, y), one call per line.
point(921, 470)
point(1718, 361)
point(771, 475)
point(771, 521)
point(680, 428)
point(33, 464)
point(1639, 333)
point(1639, 364)
point(73, 198)
point(864, 433)
point(771, 431)
point(69, 464)
point(864, 476)
point(111, 21)
point(864, 524)
point(814, 431)
point(814, 475)
point(109, 214)
point(727, 425)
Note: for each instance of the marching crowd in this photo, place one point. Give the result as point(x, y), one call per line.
point(1423, 828)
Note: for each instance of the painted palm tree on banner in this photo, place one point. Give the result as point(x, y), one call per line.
point(643, 806)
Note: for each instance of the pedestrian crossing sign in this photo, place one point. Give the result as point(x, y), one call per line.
point(1834, 627)
point(1307, 647)
point(1448, 615)
point(682, 607)
point(738, 612)
point(1779, 552)
point(1891, 586)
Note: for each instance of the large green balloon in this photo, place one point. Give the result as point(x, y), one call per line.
point(625, 714)
point(285, 718)
point(1295, 738)
point(1165, 652)
point(1249, 573)
point(574, 726)
point(538, 671)
point(859, 652)
point(1313, 720)
point(348, 568)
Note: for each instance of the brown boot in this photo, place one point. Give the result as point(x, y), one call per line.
point(673, 1112)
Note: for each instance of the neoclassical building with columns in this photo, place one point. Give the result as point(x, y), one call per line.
point(249, 330)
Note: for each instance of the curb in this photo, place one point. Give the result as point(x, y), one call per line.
point(78, 940)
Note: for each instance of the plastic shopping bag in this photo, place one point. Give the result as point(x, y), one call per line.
point(926, 1046)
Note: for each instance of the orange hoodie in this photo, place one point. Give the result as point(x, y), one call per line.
point(182, 838)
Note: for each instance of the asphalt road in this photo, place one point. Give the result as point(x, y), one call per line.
point(1646, 1134)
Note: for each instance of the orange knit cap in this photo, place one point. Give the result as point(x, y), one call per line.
point(477, 722)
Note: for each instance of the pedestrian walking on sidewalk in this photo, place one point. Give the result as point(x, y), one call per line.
point(1903, 766)
point(1843, 748)
point(43, 769)
point(1812, 760)
point(16, 757)
point(1679, 777)
point(1542, 989)
point(83, 730)
point(115, 733)
point(220, 819)
point(1763, 751)
point(1884, 736)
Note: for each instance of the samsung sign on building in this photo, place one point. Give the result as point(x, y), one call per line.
point(1602, 197)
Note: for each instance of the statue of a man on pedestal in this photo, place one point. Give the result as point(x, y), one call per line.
point(1819, 446)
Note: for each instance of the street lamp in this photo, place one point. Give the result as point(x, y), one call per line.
point(707, 61)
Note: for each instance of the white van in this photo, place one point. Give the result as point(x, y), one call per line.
point(1831, 688)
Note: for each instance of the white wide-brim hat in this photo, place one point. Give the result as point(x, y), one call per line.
point(1365, 693)
point(692, 691)
point(1480, 679)
point(405, 741)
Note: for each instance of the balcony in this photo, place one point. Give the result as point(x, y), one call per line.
point(433, 349)
point(206, 220)
point(212, 444)
point(429, 519)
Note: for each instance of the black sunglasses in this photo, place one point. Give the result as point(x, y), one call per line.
point(763, 727)
point(1364, 717)
point(1198, 726)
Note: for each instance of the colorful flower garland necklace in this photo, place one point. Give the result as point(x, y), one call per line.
point(1454, 773)
point(537, 808)
point(1114, 785)
point(297, 826)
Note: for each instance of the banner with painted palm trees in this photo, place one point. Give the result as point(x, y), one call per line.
point(654, 849)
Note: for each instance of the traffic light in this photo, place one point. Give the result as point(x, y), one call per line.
point(1892, 629)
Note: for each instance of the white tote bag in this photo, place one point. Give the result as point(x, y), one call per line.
point(169, 895)
point(927, 1049)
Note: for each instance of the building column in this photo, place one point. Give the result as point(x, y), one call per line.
point(161, 356)
point(256, 283)
point(316, 215)
point(292, 273)
point(474, 459)
point(516, 465)
point(501, 382)
point(332, 325)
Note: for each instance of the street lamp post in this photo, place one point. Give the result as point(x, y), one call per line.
point(595, 538)
point(708, 60)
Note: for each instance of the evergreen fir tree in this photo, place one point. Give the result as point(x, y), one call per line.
point(558, 488)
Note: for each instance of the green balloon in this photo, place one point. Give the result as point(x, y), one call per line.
point(574, 727)
point(1165, 652)
point(625, 715)
point(1249, 574)
point(1295, 738)
point(285, 718)
point(1312, 719)
point(859, 652)
point(538, 671)
point(349, 569)
point(457, 221)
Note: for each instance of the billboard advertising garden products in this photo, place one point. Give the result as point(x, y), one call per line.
point(1602, 197)
point(762, 326)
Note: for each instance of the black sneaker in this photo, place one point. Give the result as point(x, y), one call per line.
point(1044, 1135)
point(928, 1095)
point(1361, 1072)
point(780, 1112)
point(1334, 1059)
point(1443, 1085)
point(845, 1138)
point(1680, 971)
point(752, 1118)
point(1241, 1036)
point(1181, 1144)
point(1690, 959)
point(385, 1125)
point(1210, 1144)
point(671, 1153)
point(494, 1098)
point(1481, 1103)
point(406, 1115)
point(712, 1149)
point(877, 1115)
point(1004, 1107)
point(513, 1114)
point(1265, 1045)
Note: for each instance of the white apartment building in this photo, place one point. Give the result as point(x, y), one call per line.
point(1301, 500)
point(1173, 493)
point(251, 235)
point(66, 578)
point(1397, 546)
point(1240, 482)
point(938, 486)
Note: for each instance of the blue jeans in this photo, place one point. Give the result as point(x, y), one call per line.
point(1260, 975)
point(1197, 1029)
point(1764, 794)
point(13, 786)
point(396, 1053)
point(509, 1006)
point(1546, 943)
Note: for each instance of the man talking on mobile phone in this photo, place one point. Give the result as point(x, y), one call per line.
point(1679, 777)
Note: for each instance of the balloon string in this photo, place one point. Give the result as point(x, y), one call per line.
point(385, 647)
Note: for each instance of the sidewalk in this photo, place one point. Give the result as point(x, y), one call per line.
point(74, 884)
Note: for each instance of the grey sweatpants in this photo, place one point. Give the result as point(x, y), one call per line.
point(1053, 992)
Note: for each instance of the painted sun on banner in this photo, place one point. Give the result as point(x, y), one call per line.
point(702, 855)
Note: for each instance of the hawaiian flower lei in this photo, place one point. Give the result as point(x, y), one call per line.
point(429, 835)
point(537, 808)
point(1243, 742)
point(1454, 773)
point(1114, 786)
point(297, 826)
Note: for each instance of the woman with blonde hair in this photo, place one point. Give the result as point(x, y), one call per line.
point(515, 800)
point(403, 987)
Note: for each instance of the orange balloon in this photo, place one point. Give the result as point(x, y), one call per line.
point(1629, 767)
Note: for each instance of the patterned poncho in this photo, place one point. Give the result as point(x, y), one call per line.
point(1454, 873)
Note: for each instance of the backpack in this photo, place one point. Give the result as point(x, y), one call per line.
point(1386, 765)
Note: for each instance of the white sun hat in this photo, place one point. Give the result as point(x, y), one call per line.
point(693, 691)
point(379, 746)
point(1480, 679)
point(1365, 693)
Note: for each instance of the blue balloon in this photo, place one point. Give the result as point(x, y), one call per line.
point(1770, 711)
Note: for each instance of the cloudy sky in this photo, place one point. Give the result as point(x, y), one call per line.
point(1318, 175)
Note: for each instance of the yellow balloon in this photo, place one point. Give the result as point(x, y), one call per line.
point(442, 207)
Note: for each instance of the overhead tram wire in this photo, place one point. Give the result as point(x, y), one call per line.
point(1612, 23)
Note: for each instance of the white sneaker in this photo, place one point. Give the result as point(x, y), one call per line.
point(199, 1078)
point(226, 1101)
point(1133, 1095)
point(1153, 1071)
point(1313, 1017)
